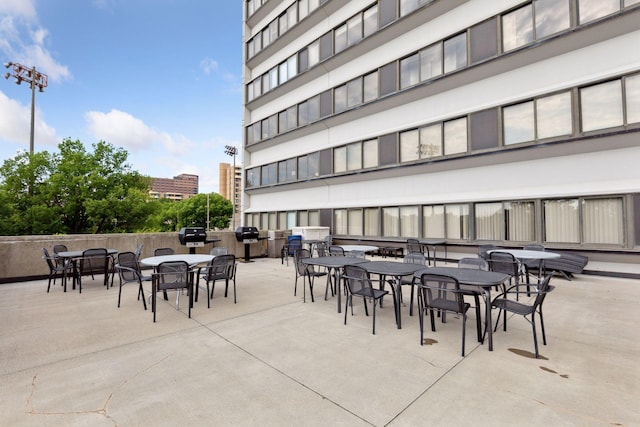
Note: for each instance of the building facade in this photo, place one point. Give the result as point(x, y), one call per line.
point(508, 122)
point(181, 187)
point(231, 189)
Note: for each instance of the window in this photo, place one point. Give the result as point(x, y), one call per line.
point(303, 113)
point(269, 174)
point(354, 92)
point(431, 141)
point(354, 30)
point(408, 6)
point(409, 71)
point(253, 177)
point(552, 16)
point(371, 222)
point(313, 51)
point(340, 159)
point(553, 115)
point(354, 156)
point(292, 66)
point(314, 109)
point(603, 221)
point(433, 221)
point(303, 9)
point(590, 10)
point(390, 222)
point(632, 93)
point(543, 118)
point(519, 123)
point(370, 21)
point(340, 222)
point(354, 226)
point(601, 106)
point(292, 15)
point(283, 75)
point(561, 221)
point(431, 62)
point(370, 153)
point(409, 146)
point(512, 221)
point(455, 136)
point(455, 53)
point(340, 99)
point(370, 87)
point(457, 221)
point(340, 38)
point(517, 28)
point(409, 221)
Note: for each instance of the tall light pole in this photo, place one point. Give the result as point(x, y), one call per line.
point(232, 151)
point(35, 79)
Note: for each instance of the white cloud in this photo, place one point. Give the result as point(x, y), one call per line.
point(123, 129)
point(208, 65)
point(23, 8)
point(15, 124)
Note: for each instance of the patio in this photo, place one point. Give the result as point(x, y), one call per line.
point(76, 359)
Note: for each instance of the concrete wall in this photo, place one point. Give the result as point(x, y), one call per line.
point(21, 256)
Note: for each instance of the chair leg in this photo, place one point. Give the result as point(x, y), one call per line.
point(478, 319)
point(544, 337)
point(140, 294)
point(374, 317)
point(464, 330)
point(535, 338)
point(346, 307)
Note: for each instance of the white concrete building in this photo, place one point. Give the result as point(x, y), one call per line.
point(504, 121)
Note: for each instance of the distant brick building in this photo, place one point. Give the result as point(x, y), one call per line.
point(181, 187)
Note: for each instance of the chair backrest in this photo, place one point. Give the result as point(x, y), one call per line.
point(357, 280)
point(48, 259)
point(302, 268)
point(415, 258)
point(59, 248)
point(322, 248)
point(221, 250)
point(138, 250)
point(414, 246)
point(94, 260)
point(128, 267)
point(335, 250)
point(503, 262)
point(173, 274)
point(473, 263)
point(163, 251)
point(328, 240)
point(441, 291)
point(483, 249)
point(222, 266)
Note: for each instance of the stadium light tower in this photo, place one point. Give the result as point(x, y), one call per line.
point(35, 79)
point(232, 151)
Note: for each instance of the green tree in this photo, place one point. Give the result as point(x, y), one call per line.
point(74, 191)
point(193, 212)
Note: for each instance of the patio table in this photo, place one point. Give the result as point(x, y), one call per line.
point(529, 255)
point(433, 243)
point(72, 257)
point(484, 280)
point(335, 263)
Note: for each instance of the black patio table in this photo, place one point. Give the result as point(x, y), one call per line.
point(397, 270)
point(484, 280)
point(72, 257)
point(335, 263)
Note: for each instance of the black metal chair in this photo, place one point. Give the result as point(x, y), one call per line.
point(359, 284)
point(335, 250)
point(138, 251)
point(412, 258)
point(222, 267)
point(56, 267)
point(94, 261)
point(129, 271)
point(440, 292)
point(473, 291)
point(504, 304)
point(171, 275)
point(163, 251)
point(502, 262)
point(289, 250)
point(307, 272)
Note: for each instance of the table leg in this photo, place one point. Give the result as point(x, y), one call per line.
point(488, 323)
point(338, 279)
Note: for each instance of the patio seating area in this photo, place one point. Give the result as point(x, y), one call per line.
point(271, 360)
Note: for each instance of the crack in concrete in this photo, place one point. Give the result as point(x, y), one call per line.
point(31, 410)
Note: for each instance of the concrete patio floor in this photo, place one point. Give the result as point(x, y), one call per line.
point(70, 359)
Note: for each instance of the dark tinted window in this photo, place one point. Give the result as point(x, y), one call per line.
point(388, 149)
point(388, 11)
point(484, 41)
point(388, 79)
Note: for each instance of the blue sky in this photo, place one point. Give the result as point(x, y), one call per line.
point(160, 78)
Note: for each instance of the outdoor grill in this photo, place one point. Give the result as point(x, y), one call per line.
point(247, 235)
point(194, 237)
